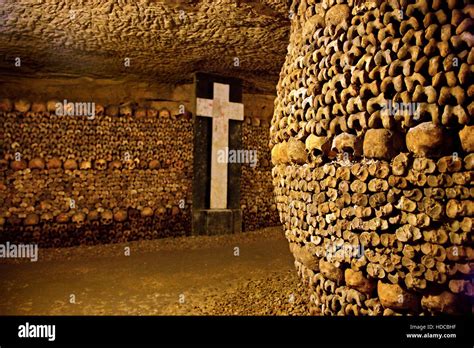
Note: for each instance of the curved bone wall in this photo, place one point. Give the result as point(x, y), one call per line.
point(372, 146)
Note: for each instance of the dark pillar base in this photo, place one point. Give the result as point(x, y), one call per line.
point(217, 221)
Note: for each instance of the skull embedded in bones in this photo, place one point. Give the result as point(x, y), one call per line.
point(79, 219)
point(100, 164)
point(85, 165)
point(107, 217)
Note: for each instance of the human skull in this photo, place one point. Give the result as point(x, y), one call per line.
point(151, 112)
point(47, 217)
point(45, 205)
point(99, 109)
point(51, 105)
point(154, 164)
point(93, 215)
point(107, 217)
point(18, 165)
point(296, 151)
point(85, 165)
point(5, 105)
point(428, 139)
point(79, 219)
point(70, 164)
point(126, 110)
point(130, 164)
point(22, 105)
point(140, 112)
point(62, 218)
point(31, 219)
point(112, 110)
point(160, 211)
point(54, 163)
point(347, 143)
point(146, 212)
point(317, 143)
point(100, 164)
point(164, 113)
point(38, 107)
point(120, 215)
point(36, 163)
point(378, 143)
point(115, 165)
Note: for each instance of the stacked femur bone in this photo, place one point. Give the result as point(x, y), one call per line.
point(372, 146)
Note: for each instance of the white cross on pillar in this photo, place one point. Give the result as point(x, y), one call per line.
point(221, 110)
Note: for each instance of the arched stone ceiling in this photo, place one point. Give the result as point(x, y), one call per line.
point(165, 41)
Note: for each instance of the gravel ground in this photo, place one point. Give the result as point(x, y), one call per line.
point(278, 294)
point(149, 246)
point(180, 276)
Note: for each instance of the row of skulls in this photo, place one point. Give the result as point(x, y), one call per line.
point(104, 216)
point(72, 164)
point(127, 109)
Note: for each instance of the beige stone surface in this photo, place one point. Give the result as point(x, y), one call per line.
point(162, 41)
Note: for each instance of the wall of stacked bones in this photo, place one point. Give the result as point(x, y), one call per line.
point(125, 174)
point(378, 205)
point(257, 200)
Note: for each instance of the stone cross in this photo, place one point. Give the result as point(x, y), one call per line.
point(221, 110)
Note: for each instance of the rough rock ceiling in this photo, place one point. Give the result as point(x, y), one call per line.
point(164, 40)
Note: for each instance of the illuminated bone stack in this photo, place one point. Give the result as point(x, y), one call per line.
point(124, 174)
point(257, 202)
point(372, 145)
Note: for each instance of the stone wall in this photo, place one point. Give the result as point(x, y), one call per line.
point(166, 41)
point(372, 146)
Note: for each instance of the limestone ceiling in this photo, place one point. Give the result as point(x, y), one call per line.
point(165, 41)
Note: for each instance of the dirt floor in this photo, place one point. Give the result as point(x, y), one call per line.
point(244, 274)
